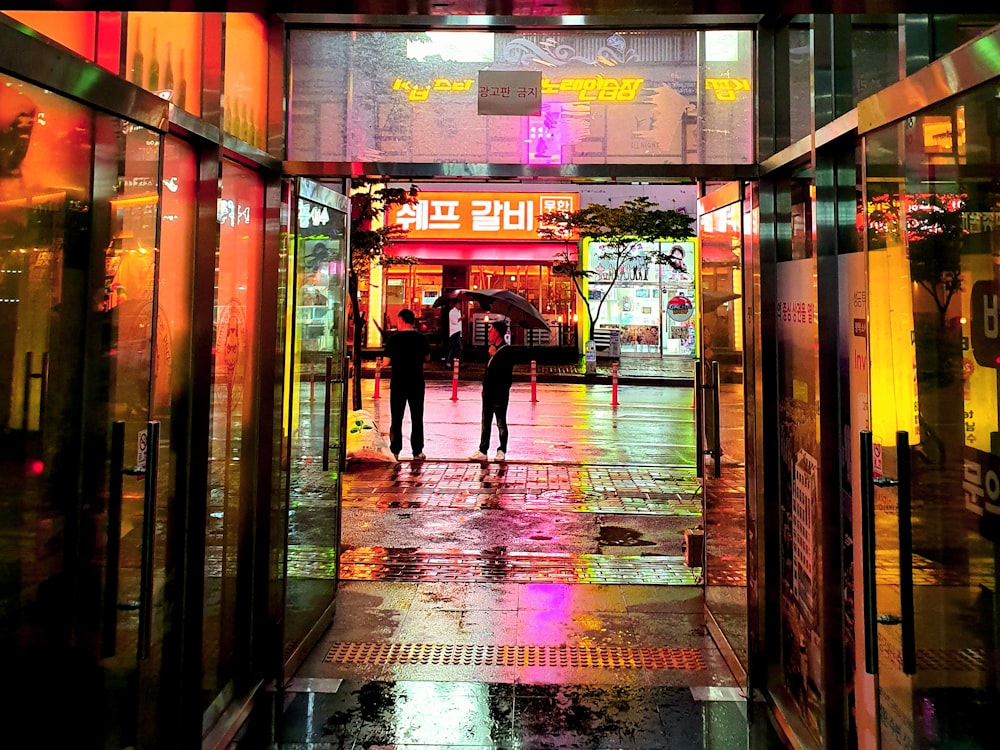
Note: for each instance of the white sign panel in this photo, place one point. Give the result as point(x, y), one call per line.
point(510, 92)
point(141, 450)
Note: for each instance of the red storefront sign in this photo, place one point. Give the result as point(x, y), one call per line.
point(479, 216)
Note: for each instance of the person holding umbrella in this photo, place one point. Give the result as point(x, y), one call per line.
point(497, 379)
point(406, 351)
point(454, 332)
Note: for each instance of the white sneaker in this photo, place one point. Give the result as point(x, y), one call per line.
point(419, 457)
point(500, 456)
point(479, 456)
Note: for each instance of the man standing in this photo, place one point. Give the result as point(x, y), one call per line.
point(497, 380)
point(454, 333)
point(406, 351)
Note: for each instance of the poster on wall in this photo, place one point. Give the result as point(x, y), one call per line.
point(797, 332)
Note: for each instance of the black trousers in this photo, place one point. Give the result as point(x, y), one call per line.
point(454, 348)
point(399, 399)
point(493, 408)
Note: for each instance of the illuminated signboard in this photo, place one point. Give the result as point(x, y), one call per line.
point(726, 89)
point(586, 89)
point(596, 88)
point(500, 216)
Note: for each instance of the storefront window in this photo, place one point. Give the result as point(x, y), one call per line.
point(650, 306)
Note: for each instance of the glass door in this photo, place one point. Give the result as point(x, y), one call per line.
point(720, 319)
point(933, 520)
point(79, 538)
point(316, 391)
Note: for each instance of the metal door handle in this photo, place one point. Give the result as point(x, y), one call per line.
point(148, 541)
point(868, 552)
point(716, 450)
point(327, 390)
point(905, 531)
point(905, 553)
point(699, 422)
point(109, 613)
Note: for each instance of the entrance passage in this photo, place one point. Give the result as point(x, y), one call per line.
point(541, 601)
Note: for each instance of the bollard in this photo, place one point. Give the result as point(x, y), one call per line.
point(378, 376)
point(614, 384)
point(454, 381)
point(312, 385)
point(534, 380)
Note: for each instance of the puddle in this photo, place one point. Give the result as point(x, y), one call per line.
point(619, 536)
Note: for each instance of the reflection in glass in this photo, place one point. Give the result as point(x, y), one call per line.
point(721, 340)
point(228, 546)
point(315, 393)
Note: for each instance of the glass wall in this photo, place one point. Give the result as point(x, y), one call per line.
point(720, 337)
point(314, 409)
point(229, 532)
point(636, 97)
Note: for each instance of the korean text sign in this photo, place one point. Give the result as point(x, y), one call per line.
point(469, 216)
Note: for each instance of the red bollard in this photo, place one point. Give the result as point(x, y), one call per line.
point(534, 377)
point(614, 384)
point(454, 381)
point(378, 376)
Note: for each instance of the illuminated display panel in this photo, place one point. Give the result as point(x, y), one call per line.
point(75, 30)
point(245, 88)
point(163, 55)
point(640, 97)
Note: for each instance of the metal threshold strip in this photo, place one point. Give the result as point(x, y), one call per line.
point(568, 657)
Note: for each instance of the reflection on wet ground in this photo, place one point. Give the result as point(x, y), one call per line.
point(411, 714)
point(543, 602)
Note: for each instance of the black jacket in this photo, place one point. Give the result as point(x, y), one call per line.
point(499, 375)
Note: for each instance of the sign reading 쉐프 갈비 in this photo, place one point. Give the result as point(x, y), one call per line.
point(497, 216)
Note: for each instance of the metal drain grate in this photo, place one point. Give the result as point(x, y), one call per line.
point(569, 657)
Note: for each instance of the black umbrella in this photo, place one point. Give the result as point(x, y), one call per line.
point(499, 301)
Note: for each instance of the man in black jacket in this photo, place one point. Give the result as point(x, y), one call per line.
point(406, 351)
point(497, 380)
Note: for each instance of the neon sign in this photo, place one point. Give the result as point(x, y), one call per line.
point(590, 89)
point(596, 88)
point(417, 93)
point(509, 216)
point(726, 89)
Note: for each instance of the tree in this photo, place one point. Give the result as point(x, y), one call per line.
point(623, 230)
point(369, 201)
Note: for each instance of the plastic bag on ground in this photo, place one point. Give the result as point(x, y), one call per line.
point(365, 441)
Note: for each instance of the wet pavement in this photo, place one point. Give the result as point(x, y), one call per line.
point(539, 602)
